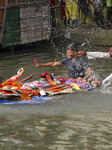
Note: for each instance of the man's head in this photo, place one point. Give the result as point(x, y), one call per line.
point(110, 51)
point(71, 50)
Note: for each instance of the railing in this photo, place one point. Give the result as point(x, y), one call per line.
point(13, 2)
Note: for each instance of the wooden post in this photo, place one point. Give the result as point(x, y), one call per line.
point(3, 4)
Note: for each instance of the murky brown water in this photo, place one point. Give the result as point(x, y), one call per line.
point(80, 121)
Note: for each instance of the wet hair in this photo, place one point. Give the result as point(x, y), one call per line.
point(73, 47)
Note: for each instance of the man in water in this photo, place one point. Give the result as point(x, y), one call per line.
point(76, 65)
point(91, 55)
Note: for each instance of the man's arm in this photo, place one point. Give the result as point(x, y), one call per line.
point(82, 53)
point(49, 64)
point(90, 72)
point(92, 55)
point(27, 78)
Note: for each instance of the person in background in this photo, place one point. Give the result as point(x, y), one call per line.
point(53, 19)
point(109, 12)
point(76, 65)
point(98, 16)
point(83, 6)
point(62, 11)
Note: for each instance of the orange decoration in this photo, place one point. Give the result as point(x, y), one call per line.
point(28, 94)
point(58, 88)
point(50, 80)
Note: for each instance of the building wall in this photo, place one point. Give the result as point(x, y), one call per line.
point(26, 22)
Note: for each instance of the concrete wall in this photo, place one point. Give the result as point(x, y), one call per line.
point(92, 36)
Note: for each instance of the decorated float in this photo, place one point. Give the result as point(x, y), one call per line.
point(14, 91)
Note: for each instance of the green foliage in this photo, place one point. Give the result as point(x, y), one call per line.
point(104, 2)
point(104, 7)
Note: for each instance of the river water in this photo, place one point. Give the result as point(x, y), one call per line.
point(80, 121)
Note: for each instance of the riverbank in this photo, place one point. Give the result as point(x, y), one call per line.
point(85, 36)
point(91, 36)
point(100, 37)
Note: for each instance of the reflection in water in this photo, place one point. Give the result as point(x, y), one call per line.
point(80, 121)
point(57, 132)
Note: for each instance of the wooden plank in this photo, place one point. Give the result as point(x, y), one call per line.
point(0, 36)
point(3, 14)
point(1, 18)
point(2, 2)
